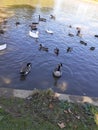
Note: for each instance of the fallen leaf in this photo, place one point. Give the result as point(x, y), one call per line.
point(69, 111)
point(78, 117)
point(65, 111)
point(61, 125)
point(50, 106)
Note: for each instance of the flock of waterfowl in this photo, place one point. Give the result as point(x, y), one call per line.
point(34, 33)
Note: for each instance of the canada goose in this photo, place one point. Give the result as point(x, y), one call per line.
point(26, 69)
point(92, 48)
point(56, 51)
point(42, 19)
point(57, 71)
point(34, 34)
point(43, 48)
point(84, 43)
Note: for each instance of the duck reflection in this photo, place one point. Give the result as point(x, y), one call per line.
point(60, 85)
point(22, 77)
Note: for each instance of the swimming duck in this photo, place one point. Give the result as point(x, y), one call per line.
point(49, 31)
point(71, 35)
point(3, 46)
point(57, 71)
point(84, 43)
point(33, 27)
point(43, 48)
point(95, 35)
point(56, 51)
point(52, 16)
point(92, 48)
point(70, 26)
point(17, 23)
point(78, 31)
point(1, 31)
point(34, 34)
point(69, 49)
point(25, 69)
point(42, 19)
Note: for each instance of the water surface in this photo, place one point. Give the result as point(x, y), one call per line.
point(80, 67)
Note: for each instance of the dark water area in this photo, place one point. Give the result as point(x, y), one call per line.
point(80, 66)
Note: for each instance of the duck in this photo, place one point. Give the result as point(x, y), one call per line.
point(69, 49)
point(49, 31)
point(43, 48)
point(33, 27)
point(3, 46)
point(56, 51)
point(42, 19)
point(57, 71)
point(78, 31)
point(34, 34)
point(52, 16)
point(96, 36)
point(25, 69)
point(17, 23)
point(1, 31)
point(71, 35)
point(84, 43)
point(92, 48)
point(70, 26)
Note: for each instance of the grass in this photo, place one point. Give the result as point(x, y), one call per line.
point(42, 111)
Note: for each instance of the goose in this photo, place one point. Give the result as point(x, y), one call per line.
point(3, 46)
point(69, 49)
point(71, 35)
point(25, 69)
point(52, 16)
point(92, 48)
point(57, 71)
point(43, 48)
point(49, 31)
point(56, 51)
point(34, 34)
point(84, 43)
point(42, 19)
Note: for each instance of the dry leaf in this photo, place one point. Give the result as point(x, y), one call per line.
point(65, 111)
point(78, 117)
point(50, 106)
point(61, 125)
point(69, 111)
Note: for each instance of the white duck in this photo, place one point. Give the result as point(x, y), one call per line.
point(49, 31)
point(3, 46)
point(57, 71)
point(34, 34)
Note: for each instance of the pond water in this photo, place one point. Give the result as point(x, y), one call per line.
point(80, 66)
